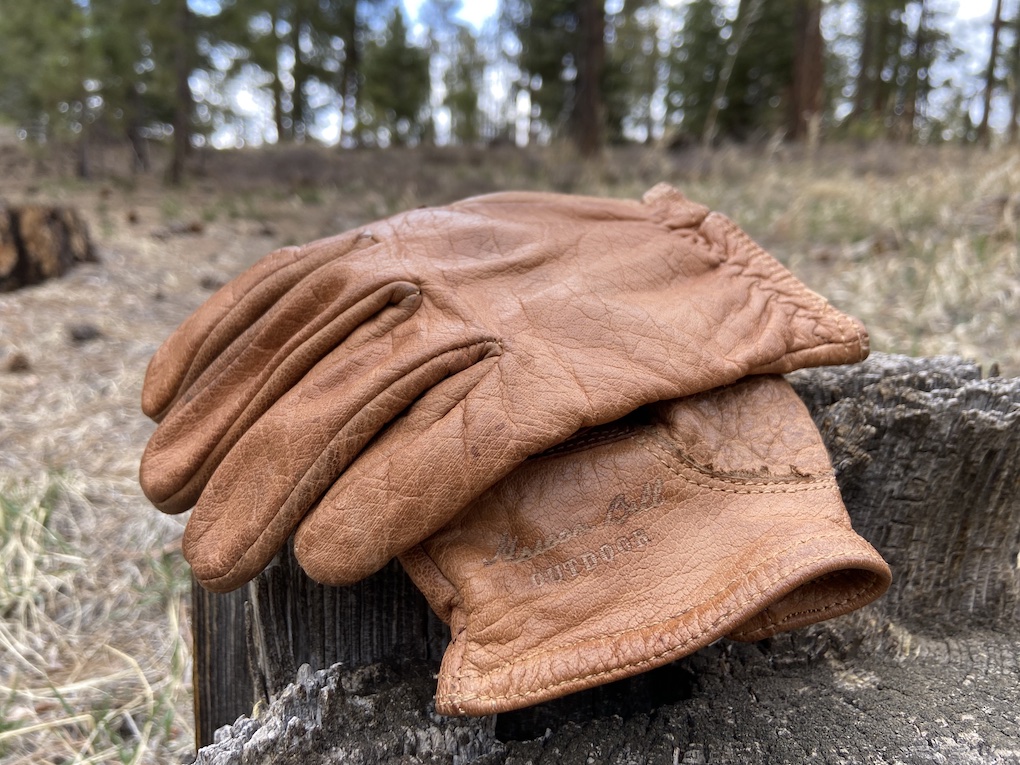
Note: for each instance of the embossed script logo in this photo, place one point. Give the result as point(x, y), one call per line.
point(621, 508)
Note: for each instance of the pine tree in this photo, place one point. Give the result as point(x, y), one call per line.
point(899, 41)
point(727, 78)
point(631, 76)
point(395, 92)
point(463, 85)
point(698, 50)
point(547, 36)
point(47, 66)
point(561, 59)
point(72, 70)
point(458, 63)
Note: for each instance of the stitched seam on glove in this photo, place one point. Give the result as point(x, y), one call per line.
point(782, 485)
point(455, 698)
point(211, 582)
point(772, 623)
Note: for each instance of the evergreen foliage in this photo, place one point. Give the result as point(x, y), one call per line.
point(395, 93)
point(348, 71)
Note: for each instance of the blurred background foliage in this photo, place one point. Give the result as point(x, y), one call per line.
point(227, 73)
point(367, 72)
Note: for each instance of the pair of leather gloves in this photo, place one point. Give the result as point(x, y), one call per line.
point(564, 414)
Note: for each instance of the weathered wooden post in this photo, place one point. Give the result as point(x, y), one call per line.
point(928, 458)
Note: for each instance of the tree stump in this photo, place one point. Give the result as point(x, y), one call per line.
point(928, 459)
point(39, 243)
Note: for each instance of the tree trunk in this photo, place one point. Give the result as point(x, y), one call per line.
point(914, 88)
point(588, 115)
point(747, 16)
point(183, 102)
point(82, 153)
point(298, 129)
point(864, 81)
point(887, 92)
point(352, 72)
point(221, 661)
point(983, 136)
point(277, 85)
point(1014, 101)
point(808, 69)
point(928, 459)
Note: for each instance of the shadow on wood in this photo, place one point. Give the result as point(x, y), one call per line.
point(928, 459)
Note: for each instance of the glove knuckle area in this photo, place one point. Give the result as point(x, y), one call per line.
point(408, 483)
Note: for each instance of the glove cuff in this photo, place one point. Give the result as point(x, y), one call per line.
point(785, 580)
point(818, 334)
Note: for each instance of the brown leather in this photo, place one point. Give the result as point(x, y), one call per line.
point(510, 321)
point(639, 542)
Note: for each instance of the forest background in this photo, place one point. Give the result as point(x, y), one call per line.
point(358, 73)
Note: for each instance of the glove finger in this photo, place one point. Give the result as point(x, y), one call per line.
point(200, 429)
point(229, 312)
point(284, 463)
point(450, 447)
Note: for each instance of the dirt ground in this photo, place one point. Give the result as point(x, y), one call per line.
point(94, 630)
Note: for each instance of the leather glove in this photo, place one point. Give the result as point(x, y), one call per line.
point(540, 313)
point(639, 542)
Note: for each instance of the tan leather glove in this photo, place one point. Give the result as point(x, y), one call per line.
point(638, 542)
point(540, 313)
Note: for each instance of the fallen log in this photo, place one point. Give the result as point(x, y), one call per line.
point(39, 242)
point(928, 459)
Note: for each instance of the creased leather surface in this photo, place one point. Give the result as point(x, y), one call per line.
point(509, 321)
point(640, 542)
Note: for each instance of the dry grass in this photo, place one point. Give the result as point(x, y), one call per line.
point(94, 645)
point(86, 677)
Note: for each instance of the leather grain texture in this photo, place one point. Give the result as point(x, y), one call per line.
point(361, 390)
point(641, 542)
